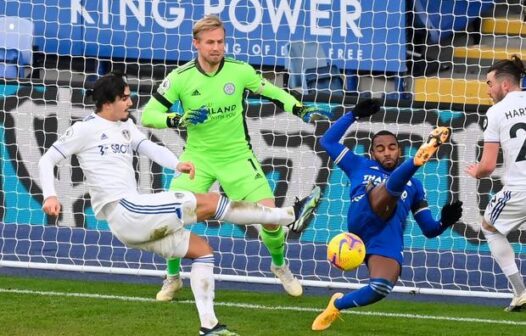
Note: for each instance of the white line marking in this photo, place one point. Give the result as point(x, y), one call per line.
point(261, 307)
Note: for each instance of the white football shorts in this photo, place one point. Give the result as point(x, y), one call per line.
point(154, 222)
point(506, 211)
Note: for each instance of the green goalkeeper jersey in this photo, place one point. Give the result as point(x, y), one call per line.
point(224, 134)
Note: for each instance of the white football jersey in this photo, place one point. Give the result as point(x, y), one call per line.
point(506, 124)
point(105, 152)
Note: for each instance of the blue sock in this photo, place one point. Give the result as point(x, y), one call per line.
point(400, 176)
point(376, 290)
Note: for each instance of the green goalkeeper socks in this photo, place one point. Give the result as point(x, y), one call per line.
point(275, 243)
point(273, 240)
point(173, 266)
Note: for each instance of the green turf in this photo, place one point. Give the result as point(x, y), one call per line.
point(42, 313)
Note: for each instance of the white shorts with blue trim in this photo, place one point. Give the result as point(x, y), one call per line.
point(154, 222)
point(506, 211)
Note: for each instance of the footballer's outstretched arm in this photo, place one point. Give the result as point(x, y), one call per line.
point(164, 157)
point(157, 153)
point(46, 165)
point(336, 150)
point(431, 228)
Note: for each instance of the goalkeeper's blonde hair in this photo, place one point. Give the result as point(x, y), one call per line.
point(209, 22)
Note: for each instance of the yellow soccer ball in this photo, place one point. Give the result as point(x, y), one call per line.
point(346, 251)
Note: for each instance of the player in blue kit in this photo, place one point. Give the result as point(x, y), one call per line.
point(383, 191)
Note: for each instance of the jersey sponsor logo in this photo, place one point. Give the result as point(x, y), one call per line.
point(165, 85)
point(375, 180)
point(196, 93)
point(223, 109)
point(114, 148)
point(126, 135)
point(229, 88)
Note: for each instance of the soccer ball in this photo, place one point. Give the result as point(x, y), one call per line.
point(346, 251)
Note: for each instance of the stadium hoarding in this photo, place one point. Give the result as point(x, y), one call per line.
point(355, 35)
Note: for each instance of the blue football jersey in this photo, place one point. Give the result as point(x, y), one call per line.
point(363, 172)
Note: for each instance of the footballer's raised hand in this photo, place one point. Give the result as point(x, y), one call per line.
point(366, 108)
point(51, 206)
point(311, 113)
point(451, 213)
point(186, 168)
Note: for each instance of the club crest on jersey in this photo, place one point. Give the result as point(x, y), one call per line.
point(126, 134)
point(229, 88)
point(165, 85)
point(67, 134)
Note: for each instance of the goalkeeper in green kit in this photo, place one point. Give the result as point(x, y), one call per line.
point(211, 90)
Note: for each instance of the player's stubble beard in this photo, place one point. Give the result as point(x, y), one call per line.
point(396, 163)
point(498, 97)
point(213, 61)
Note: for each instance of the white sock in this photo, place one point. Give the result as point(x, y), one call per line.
point(503, 253)
point(245, 213)
point(203, 287)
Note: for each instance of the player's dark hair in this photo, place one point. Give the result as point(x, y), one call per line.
point(384, 132)
point(107, 88)
point(513, 68)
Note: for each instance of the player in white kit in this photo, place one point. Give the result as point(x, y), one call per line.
point(505, 127)
point(104, 143)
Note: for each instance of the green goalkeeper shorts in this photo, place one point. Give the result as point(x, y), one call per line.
point(241, 178)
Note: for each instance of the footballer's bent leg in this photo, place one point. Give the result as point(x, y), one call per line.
point(213, 205)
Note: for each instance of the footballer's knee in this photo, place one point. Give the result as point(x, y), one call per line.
point(206, 205)
point(382, 203)
point(198, 247)
point(490, 233)
point(269, 203)
point(271, 227)
point(487, 228)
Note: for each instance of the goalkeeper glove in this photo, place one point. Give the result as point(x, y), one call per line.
point(366, 108)
point(190, 117)
point(451, 213)
point(311, 113)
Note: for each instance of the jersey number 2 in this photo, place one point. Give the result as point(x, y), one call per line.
point(513, 134)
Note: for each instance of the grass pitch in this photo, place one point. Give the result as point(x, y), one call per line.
point(42, 307)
